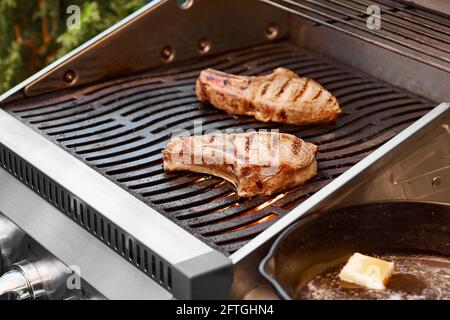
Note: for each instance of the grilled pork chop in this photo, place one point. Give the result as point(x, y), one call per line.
point(257, 163)
point(281, 96)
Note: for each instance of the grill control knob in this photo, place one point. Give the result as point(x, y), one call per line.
point(42, 279)
point(22, 282)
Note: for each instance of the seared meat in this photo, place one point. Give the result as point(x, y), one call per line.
point(281, 96)
point(257, 163)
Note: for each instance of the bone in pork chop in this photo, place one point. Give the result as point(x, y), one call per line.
point(257, 163)
point(281, 96)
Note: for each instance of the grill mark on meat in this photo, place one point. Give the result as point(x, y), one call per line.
point(296, 146)
point(265, 87)
point(283, 87)
point(317, 95)
point(301, 91)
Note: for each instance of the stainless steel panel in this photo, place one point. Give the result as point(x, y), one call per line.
point(162, 33)
point(419, 171)
point(389, 66)
point(401, 29)
point(100, 267)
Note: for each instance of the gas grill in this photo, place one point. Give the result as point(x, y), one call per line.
point(83, 138)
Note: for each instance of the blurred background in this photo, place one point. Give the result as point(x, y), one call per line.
point(34, 33)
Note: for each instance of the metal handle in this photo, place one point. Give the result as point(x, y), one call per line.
point(23, 281)
point(14, 282)
point(44, 278)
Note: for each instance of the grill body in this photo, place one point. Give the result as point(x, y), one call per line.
point(109, 126)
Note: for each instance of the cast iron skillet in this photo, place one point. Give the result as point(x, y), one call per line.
point(326, 239)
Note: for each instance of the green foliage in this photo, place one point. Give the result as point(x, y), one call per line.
point(33, 33)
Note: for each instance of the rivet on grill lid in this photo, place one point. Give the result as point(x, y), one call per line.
point(167, 54)
point(203, 46)
point(70, 76)
point(271, 31)
point(185, 4)
point(436, 182)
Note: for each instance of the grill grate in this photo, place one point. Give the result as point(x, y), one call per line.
point(415, 32)
point(120, 127)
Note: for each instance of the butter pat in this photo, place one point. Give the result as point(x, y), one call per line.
point(366, 271)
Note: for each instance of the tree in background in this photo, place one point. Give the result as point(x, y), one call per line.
point(33, 33)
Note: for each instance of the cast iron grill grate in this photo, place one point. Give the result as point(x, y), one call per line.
point(120, 127)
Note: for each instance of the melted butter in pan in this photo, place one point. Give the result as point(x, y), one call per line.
point(416, 277)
